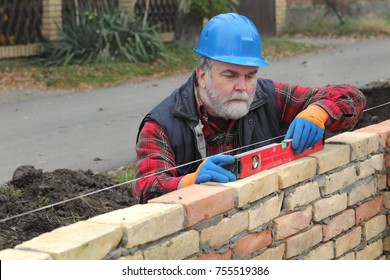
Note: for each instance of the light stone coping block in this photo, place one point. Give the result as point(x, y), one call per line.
point(265, 212)
point(331, 157)
point(80, 241)
point(254, 187)
point(362, 144)
point(176, 248)
point(143, 223)
point(13, 254)
point(296, 171)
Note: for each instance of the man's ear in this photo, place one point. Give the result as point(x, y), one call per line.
point(201, 74)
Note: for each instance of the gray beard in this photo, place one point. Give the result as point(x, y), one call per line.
point(223, 107)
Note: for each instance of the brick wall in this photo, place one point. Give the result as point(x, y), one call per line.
point(333, 204)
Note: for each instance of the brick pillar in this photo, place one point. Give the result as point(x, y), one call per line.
point(127, 5)
point(280, 15)
point(51, 15)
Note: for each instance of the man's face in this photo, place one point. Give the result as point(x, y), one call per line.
point(229, 89)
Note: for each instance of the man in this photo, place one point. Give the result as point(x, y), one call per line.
point(224, 109)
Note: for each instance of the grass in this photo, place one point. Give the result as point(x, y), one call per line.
point(364, 27)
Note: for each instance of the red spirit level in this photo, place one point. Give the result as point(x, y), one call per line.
point(266, 157)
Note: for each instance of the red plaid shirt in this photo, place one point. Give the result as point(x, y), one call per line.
point(155, 167)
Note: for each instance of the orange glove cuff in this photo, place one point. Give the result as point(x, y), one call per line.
point(190, 179)
point(315, 114)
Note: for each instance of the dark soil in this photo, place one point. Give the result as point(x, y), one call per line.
point(31, 189)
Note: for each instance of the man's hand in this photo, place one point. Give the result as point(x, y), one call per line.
point(211, 169)
point(307, 128)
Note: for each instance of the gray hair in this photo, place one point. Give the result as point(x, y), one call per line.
point(204, 63)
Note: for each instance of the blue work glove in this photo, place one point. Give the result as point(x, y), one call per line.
point(211, 169)
point(307, 128)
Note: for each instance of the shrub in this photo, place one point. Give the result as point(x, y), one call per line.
point(102, 35)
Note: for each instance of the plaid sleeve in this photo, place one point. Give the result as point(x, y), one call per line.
point(155, 167)
point(344, 103)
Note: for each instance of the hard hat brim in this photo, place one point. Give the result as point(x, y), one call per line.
point(245, 61)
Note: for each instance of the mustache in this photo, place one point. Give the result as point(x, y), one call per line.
point(242, 95)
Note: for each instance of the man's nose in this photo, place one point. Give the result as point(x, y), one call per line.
point(240, 83)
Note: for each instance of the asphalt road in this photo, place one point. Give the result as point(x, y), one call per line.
point(97, 129)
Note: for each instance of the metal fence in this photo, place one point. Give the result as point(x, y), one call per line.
point(20, 21)
point(159, 13)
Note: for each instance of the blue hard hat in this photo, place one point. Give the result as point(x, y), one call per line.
point(231, 38)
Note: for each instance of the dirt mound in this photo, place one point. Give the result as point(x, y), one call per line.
point(31, 189)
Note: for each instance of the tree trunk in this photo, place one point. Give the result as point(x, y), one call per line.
point(187, 27)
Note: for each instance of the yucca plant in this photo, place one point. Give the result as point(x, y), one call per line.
point(100, 35)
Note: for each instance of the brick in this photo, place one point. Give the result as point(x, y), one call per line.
point(255, 187)
point(368, 209)
point(225, 229)
point(371, 251)
point(274, 253)
point(361, 191)
point(331, 157)
point(301, 196)
point(296, 171)
point(302, 242)
point(381, 129)
point(215, 256)
point(265, 212)
point(339, 224)
point(176, 248)
point(338, 180)
point(13, 254)
point(374, 227)
point(386, 245)
point(362, 144)
point(386, 200)
point(291, 223)
point(323, 252)
point(143, 223)
point(135, 256)
point(251, 243)
point(349, 256)
point(369, 166)
point(80, 241)
point(201, 202)
point(381, 181)
point(348, 241)
point(329, 206)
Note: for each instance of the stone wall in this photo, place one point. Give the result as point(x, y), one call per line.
point(332, 204)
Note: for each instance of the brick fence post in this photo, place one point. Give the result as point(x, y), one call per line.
point(280, 15)
point(51, 17)
point(127, 5)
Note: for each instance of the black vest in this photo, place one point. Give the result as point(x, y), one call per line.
point(177, 116)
